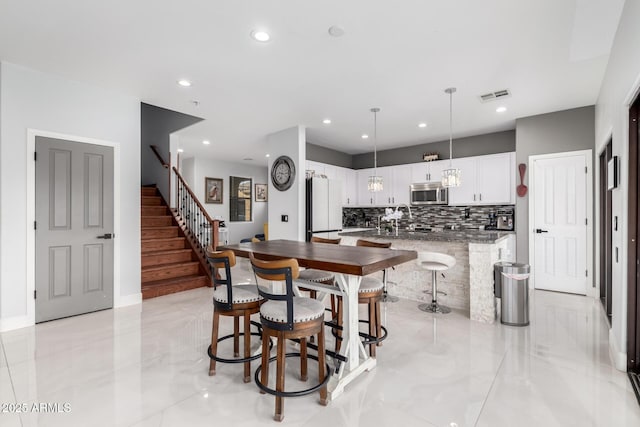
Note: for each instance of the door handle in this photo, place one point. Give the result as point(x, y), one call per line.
point(106, 236)
point(538, 230)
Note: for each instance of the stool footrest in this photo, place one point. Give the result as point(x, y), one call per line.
point(244, 359)
point(430, 293)
point(297, 393)
point(368, 339)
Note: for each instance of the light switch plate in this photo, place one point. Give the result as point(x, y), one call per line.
point(284, 218)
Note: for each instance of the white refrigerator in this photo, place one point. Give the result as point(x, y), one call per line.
point(323, 207)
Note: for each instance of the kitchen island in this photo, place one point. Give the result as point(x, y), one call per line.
point(468, 285)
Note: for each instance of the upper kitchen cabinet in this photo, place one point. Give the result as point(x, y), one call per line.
point(466, 193)
point(365, 197)
point(486, 180)
point(401, 180)
point(395, 186)
point(349, 185)
point(428, 171)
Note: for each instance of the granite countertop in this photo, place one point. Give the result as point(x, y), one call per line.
point(466, 236)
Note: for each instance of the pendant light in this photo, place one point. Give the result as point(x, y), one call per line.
point(374, 184)
point(451, 176)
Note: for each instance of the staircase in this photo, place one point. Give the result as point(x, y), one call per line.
point(169, 264)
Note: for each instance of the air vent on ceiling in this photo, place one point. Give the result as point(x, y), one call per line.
point(491, 96)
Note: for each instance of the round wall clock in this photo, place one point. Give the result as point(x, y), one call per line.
point(283, 172)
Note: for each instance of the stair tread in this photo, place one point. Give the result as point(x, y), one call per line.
point(166, 252)
point(165, 238)
point(169, 265)
point(174, 280)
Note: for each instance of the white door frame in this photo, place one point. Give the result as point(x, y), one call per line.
point(591, 291)
point(31, 213)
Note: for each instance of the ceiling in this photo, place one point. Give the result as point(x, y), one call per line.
point(398, 56)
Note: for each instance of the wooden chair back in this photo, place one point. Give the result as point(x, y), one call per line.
point(223, 260)
point(283, 270)
point(315, 239)
point(370, 244)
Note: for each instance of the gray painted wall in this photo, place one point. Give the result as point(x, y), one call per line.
point(155, 127)
point(328, 156)
point(558, 132)
point(490, 143)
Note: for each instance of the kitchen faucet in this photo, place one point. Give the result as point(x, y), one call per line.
point(410, 216)
point(406, 206)
point(378, 227)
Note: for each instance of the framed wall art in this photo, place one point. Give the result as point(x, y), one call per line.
point(213, 190)
point(261, 192)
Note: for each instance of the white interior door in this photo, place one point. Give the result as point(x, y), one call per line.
point(559, 224)
point(74, 226)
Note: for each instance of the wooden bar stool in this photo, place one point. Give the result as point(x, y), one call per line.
point(235, 301)
point(286, 316)
point(434, 262)
point(318, 276)
point(370, 292)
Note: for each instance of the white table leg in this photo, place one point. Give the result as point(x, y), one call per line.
point(351, 345)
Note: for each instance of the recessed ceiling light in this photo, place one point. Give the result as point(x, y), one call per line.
point(267, 155)
point(260, 36)
point(184, 82)
point(336, 31)
point(327, 121)
point(206, 142)
point(501, 109)
point(180, 150)
point(422, 125)
point(365, 136)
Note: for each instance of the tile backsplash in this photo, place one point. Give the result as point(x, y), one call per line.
point(438, 216)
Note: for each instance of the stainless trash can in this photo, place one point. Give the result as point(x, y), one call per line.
point(511, 285)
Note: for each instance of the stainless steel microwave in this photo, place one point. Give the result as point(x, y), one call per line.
point(429, 193)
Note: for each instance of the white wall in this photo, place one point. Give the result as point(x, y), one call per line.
point(196, 169)
point(290, 142)
point(33, 100)
point(618, 90)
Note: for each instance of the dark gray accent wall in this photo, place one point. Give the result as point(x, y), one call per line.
point(490, 143)
point(559, 132)
point(328, 156)
point(156, 124)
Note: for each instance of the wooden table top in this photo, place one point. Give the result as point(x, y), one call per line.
point(356, 260)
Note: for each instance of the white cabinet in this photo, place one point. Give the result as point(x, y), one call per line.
point(400, 183)
point(485, 180)
point(365, 197)
point(466, 193)
point(395, 186)
point(350, 188)
point(346, 175)
point(428, 171)
point(496, 179)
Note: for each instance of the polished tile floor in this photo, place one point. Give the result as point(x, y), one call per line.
point(146, 366)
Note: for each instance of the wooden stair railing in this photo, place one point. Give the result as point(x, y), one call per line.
point(193, 218)
point(155, 150)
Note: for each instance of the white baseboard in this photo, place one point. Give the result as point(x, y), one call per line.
point(618, 358)
point(16, 322)
point(125, 300)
